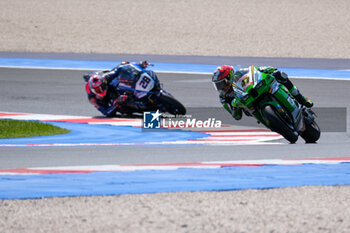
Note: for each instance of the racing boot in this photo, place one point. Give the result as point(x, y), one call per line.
point(300, 98)
point(282, 77)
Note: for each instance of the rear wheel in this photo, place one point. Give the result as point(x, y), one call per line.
point(171, 105)
point(278, 125)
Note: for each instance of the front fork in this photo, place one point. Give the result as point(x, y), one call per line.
point(309, 115)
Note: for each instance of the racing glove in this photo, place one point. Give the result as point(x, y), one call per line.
point(143, 64)
point(267, 69)
point(236, 111)
point(120, 103)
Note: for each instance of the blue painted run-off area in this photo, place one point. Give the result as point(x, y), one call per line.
point(184, 179)
point(158, 67)
point(83, 133)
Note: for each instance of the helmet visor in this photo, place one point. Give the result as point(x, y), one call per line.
point(100, 86)
point(99, 89)
point(220, 85)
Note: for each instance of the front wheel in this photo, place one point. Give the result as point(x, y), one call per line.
point(171, 105)
point(275, 122)
point(312, 132)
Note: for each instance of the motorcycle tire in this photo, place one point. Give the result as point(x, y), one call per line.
point(171, 105)
point(278, 125)
point(312, 133)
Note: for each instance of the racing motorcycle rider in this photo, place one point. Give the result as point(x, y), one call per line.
point(105, 94)
point(223, 78)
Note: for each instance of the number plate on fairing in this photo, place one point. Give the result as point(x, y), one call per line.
point(143, 85)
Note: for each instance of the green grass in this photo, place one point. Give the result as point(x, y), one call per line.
point(18, 129)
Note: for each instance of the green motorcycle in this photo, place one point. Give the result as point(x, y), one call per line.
point(270, 102)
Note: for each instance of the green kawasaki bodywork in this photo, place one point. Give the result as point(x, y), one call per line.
point(253, 90)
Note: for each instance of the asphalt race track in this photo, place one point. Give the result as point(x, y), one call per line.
point(62, 92)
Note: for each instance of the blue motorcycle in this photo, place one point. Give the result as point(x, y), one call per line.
point(143, 86)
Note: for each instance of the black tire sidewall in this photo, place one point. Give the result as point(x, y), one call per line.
point(172, 105)
point(278, 125)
